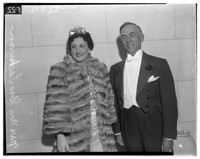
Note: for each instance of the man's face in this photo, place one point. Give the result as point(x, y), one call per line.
point(132, 38)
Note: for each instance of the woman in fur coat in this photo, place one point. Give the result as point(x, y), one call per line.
point(79, 107)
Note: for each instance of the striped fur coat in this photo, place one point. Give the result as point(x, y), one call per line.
point(67, 106)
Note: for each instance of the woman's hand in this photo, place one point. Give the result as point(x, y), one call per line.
point(61, 143)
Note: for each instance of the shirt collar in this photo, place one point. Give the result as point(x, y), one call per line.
point(136, 57)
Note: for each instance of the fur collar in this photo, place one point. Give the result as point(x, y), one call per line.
point(92, 66)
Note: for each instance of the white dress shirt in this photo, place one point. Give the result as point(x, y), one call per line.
point(131, 74)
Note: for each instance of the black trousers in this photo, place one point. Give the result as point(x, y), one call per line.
point(142, 131)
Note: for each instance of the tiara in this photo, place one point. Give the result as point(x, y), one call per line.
point(77, 30)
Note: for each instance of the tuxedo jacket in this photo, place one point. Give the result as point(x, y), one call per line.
point(159, 92)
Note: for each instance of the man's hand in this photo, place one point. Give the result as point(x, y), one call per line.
point(119, 139)
point(167, 145)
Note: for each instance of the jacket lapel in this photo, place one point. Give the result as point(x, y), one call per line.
point(120, 80)
point(145, 72)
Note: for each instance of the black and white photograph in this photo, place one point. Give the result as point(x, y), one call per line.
point(100, 78)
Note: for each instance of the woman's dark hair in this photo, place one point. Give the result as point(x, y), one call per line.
point(86, 37)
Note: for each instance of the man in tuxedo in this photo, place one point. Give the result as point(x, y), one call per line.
point(145, 97)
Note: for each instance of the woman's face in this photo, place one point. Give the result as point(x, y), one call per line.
point(79, 49)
